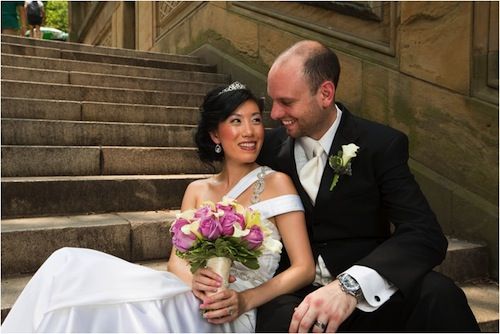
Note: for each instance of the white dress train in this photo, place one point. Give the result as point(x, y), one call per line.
point(83, 290)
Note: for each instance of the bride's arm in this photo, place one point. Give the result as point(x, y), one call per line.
point(176, 265)
point(292, 228)
point(301, 272)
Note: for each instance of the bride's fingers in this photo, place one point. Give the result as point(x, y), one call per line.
point(210, 286)
point(221, 315)
point(209, 273)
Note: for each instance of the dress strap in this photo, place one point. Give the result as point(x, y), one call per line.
point(278, 205)
point(254, 176)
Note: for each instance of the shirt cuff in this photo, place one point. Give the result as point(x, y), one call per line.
point(376, 290)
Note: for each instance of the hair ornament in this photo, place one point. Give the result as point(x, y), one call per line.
point(234, 86)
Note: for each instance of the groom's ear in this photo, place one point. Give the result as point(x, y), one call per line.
point(327, 93)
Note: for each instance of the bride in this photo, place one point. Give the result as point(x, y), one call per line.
point(83, 290)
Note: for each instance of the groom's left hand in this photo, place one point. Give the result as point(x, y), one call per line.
point(323, 310)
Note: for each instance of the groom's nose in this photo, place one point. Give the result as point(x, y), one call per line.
point(276, 112)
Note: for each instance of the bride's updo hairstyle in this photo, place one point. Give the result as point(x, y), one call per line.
point(218, 105)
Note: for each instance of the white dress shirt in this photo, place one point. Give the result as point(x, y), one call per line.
point(376, 290)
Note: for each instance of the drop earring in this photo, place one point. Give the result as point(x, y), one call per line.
point(218, 148)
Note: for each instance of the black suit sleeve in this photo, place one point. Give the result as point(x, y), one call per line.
point(417, 244)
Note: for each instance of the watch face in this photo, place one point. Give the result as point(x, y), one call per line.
point(350, 283)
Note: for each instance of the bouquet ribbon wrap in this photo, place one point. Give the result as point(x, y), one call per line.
point(220, 265)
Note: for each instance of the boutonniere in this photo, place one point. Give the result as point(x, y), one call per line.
point(341, 163)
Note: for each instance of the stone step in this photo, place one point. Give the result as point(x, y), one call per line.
point(62, 195)
point(11, 88)
point(27, 108)
point(20, 160)
point(483, 300)
point(103, 68)
point(98, 49)
point(133, 236)
point(86, 133)
point(26, 50)
point(27, 232)
point(465, 260)
point(104, 80)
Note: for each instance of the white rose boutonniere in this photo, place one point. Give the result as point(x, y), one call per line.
point(341, 163)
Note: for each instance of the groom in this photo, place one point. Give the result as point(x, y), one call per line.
point(373, 234)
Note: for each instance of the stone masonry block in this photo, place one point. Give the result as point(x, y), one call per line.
point(150, 234)
point(273, 42)
point(40, 109)
point(430, 50)
point(27, 243)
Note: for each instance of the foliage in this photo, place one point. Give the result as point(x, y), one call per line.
point(56, 14)
point(232, 248)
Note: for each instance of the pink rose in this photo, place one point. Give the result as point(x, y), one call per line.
point(210, 228)
point(227, 221)
point(203, 212)
point(183, 242)
point(255, 237)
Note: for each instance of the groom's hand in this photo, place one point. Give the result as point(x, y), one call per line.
point(323, 310)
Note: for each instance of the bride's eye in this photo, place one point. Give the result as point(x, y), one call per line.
point(257, 120)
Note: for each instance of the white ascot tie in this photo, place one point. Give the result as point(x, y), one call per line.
point(310, 174)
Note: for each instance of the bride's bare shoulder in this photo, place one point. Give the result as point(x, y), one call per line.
point(198, 186)
point(278, 183)
point(195, 193)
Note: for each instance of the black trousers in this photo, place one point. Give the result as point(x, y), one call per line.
point(437, 305)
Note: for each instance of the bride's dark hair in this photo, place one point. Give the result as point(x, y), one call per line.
point(216, 108)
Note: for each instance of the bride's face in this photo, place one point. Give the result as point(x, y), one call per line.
point(241, 135)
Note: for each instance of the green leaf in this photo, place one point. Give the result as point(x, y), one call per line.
point(230, 247)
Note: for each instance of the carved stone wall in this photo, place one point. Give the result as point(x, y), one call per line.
point(165, 11)
point(485, 51)
point(429, 69)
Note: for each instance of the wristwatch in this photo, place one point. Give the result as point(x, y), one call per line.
point(349, 285)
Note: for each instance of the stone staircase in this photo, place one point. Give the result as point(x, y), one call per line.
point(97, 151)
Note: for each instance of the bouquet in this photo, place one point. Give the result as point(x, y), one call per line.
point(216, 234)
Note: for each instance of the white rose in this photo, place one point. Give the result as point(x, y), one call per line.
point(348, 152)
point(272, 245)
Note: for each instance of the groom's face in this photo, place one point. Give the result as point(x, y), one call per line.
point(294, 105)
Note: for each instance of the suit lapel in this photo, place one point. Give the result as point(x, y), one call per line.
point(346, 133)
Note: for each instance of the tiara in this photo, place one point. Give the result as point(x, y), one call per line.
point(234, 86)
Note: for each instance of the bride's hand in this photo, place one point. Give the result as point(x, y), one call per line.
point(206, 282)
point(222, 307)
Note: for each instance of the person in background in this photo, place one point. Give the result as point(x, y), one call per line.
point(13, 18)
point(35, 14)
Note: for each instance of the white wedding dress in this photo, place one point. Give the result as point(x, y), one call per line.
point(83, 290)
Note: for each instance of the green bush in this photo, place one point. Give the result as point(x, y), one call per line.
point(56, 14)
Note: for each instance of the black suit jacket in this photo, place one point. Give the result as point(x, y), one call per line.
point(352, 223)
